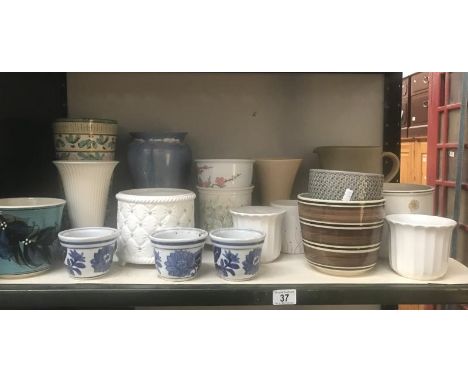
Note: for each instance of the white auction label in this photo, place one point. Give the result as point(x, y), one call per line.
point(347, 195)
point(284, 297)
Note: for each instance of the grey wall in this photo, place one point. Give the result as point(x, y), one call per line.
point(236, 115)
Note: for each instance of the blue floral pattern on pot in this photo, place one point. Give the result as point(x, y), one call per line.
point(182, 263)
point(251, 264)
point(75, 262)
point(226, 263)
point(157, 261)
point(102, 259)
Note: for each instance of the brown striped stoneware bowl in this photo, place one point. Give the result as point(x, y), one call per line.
point(339, 212)
point(341, 236)
point(339, 261)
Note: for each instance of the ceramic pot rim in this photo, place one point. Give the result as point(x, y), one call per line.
point(225, 160)
point(86, 162)
point(338, 226)
point(295, 160)
point(302, 198)
point(182, 241)
point(421, 221)
point(224, 189)
point(256, 237)
point(301, 219)
point(284, 203)
point(355, 251)
point(340, 172)
point(257, 211)
point(102, 235)
point(348, 147)
point(340, 247)
point(42, 202)
point(424, 189)
point(155, 195)
point(87, 120)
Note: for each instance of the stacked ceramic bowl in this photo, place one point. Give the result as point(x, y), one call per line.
point(85, 150)
point(341, 221)
point(222, 184)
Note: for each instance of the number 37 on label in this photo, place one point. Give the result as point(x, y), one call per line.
point(284, 297)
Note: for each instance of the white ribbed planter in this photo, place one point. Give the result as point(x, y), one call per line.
point(268, 220)
point(142, 211)
point(403, 198)
point(86, 185)
point(420, 245)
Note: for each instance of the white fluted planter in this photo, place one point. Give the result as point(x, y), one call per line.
point(142, 211)
point(268, 220)
point(420, 245)
point(86, 185)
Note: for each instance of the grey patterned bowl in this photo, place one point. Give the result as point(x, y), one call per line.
point(332, 184)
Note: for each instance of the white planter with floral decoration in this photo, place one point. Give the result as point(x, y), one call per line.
point(215, 205)
point(224, 173)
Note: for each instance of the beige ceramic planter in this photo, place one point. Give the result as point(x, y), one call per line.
point(275, 177)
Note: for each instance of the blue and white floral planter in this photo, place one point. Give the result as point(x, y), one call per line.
point(90, 251)
point(178, 252)
point(237, 252)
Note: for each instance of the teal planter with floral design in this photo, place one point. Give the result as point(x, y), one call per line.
point(28, 231)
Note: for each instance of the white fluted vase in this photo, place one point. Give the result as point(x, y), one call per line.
point(86, 185)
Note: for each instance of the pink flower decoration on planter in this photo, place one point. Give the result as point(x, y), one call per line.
point(220, 181)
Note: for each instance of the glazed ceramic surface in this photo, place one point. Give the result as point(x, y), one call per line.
point(342, 236)
point(341, 262)
point(85, 139)
point(178, 252)
point(264, 219)
point(275, 178)
point(291, 241)
point(237, 253)
point(215, 205)
point(338, 212)
point(140, 212)
point(90, 250)
point(159, 160)
point(405, 199)
point(408, 198)
point(357, 158)
point(224, 173)
point(28, 230)
point(420, 245)
point(331, 185)
point(86, 185)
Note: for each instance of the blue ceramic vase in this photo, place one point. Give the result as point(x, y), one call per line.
point(159, 160)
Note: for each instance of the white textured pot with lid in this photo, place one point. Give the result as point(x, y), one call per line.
point(142, 211)
point(265, 219)
point(420, 245)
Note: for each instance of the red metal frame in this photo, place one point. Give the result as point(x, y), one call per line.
point(439, 92)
